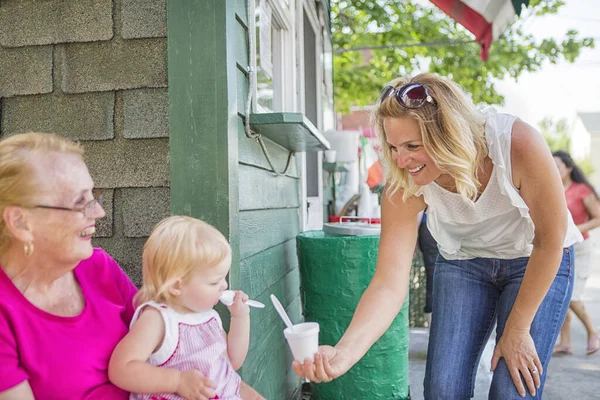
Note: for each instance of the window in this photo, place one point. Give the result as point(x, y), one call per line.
point(327, 87)
point(273, 62)
point(310, 81)
point(311, 103)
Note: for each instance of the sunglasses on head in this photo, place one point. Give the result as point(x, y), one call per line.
point(412, 95)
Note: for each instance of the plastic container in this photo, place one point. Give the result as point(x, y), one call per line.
point(303, 340)
point(353, 226)
point(345, 143)
point(334, 272)
point(337, 218)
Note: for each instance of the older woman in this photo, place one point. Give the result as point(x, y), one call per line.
point(64, 305)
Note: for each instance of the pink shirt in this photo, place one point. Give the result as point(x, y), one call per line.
point(575, 194)
point(67, 357)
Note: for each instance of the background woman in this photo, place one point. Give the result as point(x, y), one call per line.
point(584, 206)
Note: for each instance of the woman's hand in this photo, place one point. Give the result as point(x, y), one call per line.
point(194, 386)
point(518, 350)
point(329, 363)
point(239, 308)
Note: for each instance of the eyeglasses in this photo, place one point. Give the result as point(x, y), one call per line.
point(86, 210)
point(412, 96)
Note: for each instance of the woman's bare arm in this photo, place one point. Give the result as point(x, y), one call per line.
point(536, 176)
point(385, 295)
point(535, 173)
point(592, 205)
point(383, 298)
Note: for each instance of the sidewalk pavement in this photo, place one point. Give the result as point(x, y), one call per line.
point(576, 376)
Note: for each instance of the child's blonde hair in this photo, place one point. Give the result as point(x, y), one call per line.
point(177, 246)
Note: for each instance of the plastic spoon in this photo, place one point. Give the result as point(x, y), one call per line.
point(228, 295)
point(285, 318)
point(282, 313)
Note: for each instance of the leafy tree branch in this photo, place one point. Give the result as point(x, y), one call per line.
point(360, 74)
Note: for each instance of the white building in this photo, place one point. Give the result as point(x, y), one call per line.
point(585, 141)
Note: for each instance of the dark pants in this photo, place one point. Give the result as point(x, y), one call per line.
point(428, 247)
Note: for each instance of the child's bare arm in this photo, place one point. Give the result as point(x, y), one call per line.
point(238, 339)
point(129, 369)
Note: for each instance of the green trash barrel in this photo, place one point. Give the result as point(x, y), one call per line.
point(334, 273)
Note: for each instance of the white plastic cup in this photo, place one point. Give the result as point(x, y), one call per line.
point(345, 143)
point(303, 340)
point(330, 156)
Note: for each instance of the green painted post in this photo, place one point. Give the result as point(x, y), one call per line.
point(203, 115)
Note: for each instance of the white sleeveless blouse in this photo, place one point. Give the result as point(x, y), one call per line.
point(498, 224)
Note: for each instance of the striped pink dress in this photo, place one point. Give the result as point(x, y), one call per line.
point(193, 341)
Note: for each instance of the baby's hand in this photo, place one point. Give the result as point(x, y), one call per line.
point(239, 308)
point(195, 386)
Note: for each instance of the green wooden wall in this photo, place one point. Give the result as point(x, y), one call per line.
point(202, 122)
point(268, 224)
point(221, 176)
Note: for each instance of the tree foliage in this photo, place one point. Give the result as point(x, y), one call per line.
point(557, 138)
point(556, 134)
point(360, 75)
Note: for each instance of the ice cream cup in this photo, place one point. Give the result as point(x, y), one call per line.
point(303, 340)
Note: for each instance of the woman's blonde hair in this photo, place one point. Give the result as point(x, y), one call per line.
point(176, 247)
point(18, 185)
point(452, 131)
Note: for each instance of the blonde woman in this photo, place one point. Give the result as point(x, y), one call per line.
point(488, 179)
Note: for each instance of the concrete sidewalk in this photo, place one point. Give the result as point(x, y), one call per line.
point(569, 377)
point(578, 376)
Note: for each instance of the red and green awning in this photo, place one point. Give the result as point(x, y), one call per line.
point(486, 19)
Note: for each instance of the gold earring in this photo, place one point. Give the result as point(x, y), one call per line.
point(28, 249)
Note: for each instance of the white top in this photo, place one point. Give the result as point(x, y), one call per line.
point(498, 224)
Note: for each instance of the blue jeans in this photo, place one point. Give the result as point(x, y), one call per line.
point(469, 296)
